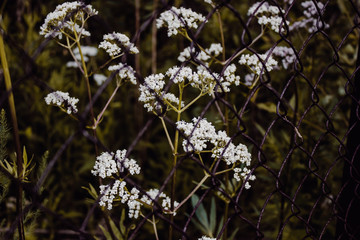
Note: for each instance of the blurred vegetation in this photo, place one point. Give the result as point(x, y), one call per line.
point(304, 164)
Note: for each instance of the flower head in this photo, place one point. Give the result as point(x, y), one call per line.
point(67, 17)
point(254, 63)
point(179, 18)
point(310, 22)
point(62, 99)
point(124, 72)
point(115, 43)
point(268, 15)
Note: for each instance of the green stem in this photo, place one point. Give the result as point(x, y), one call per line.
point(175, 152)
point(192, 102)
point(221, 34)
point(106, 106)
point(9, 89)
point(167, 133)
point(154, 226)
point(253, 41)
point(87, 84)
point(192, 192)
point(85, 75)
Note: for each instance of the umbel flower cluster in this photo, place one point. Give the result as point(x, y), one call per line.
point(62, 99)
point(115, 166)
point(176, 19)
point(200, 133)
point(268, 15)
point(114, 42)
point(67, 17)
point(154, 97)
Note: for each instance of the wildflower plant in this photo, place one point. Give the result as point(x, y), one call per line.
point(203, 74)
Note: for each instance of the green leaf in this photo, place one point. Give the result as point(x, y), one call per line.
point(115, 230)
point(212, 215)
point(220, 226)
point(106, 233)
point(121, 223)
point(200, 212)
point(232, 236)
point(91, 190)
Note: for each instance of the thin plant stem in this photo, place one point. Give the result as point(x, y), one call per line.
point(192, 192)
point(73, 56)
point(86, 76)
point(226, 120)
point(9, 89)
point(167, 134)
point(106, 106)
point(192, 102)
point(154, 226)
point(221, 34)
point(244, 49)
point(175, 152)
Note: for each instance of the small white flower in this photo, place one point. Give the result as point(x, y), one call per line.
point(125, 163)
point(254, 63)
point(125, 72)
point(177, 18)
point(214, 50)
point(105, 165)
point(99, 78)
point(206, 238)
point(310, 22)
point(62, 99)
point(87, 51)
point(287, 54)
point(267, 15)
point(150, 196)
point(114, 43)
point(55, 21)
point(249, 79)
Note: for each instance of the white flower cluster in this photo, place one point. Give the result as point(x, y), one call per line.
point(114, 43)
point(56, 20)
point(177, 18)
point(62, 99)
point(87, 51)
point(310, 22)
point(152, 89)
point(208, 80)
point(206, 238)
point(125, 72)
point(99, 78)
point(214, 50)
point(249, 79)
point(254, 63)
point(267, 15)
point(108, 164)
point(118, 190)
point(166, 201)
point(287, 55)
point(197, 136)
point(199, 133)
point(153, 86)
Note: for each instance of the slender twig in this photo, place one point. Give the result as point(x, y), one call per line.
point(106, 106)
point(167, 134)
point(192, 192)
